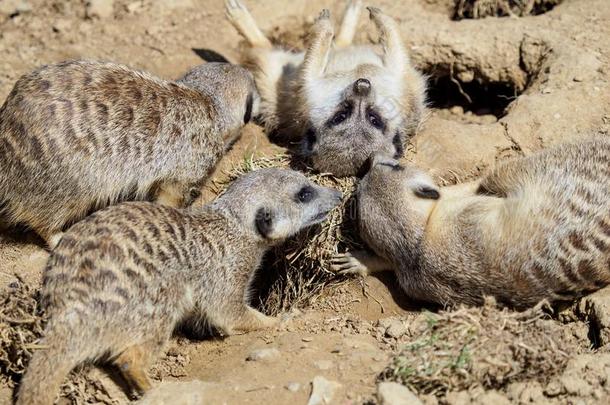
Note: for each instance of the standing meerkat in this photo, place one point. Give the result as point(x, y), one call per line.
point(339, 102)
point(78, 136)
point(120, 281)
point(534, 228)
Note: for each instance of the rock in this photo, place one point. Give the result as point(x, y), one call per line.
point(396, 329)
point(323, 364)
point(177, 393)
point(596, 309)
point(13, 7)
point(293, 386)
point(391, 393)
point(100, 8)
point(265, 355)
point(322, 391)
point(458, 398)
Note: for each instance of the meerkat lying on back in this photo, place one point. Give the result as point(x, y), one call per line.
point(79, 136)
point(534, 228)
point(121, 280)
point(339, 102)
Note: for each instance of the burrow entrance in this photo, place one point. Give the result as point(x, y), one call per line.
point(501, 8)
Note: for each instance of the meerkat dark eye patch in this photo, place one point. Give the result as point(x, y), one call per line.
point(427, 192)
point(397, 142)
point(310, 139)
point(264, 222)
point(306, 194)
point(375, 120)
point(249, 106)
point(340, 116)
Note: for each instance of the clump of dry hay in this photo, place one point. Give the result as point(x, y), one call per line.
point(296, 272)
point(21, 325)
point(486, 346)
point(499, 8)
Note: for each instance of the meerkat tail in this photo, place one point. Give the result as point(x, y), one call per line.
point(46, 372)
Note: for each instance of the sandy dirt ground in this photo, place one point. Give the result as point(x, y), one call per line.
point(529, 83)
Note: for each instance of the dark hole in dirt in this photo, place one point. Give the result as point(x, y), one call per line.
point(445, 92)
point(501, 8)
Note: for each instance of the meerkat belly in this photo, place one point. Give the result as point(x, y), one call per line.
point(346, 59)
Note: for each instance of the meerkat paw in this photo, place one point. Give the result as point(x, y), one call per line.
point(243, 21)
point(323, 23)
point(349, 263)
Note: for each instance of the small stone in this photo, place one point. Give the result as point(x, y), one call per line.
point(547, 90)
point(492, 397)
point(553, 389)
point(307, 339)
point(14, 7)
point(457, 110)
point(396, 329)
point(293, 386)
point(556, 116)
point(100, 8)
point(266, 355)
point(458, 398)
point(323, 364)
point(62, 25)
point(391, 393)
point(322, 391)
point(577, 79)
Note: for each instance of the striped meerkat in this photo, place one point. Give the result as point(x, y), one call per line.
point(121, 280)
point(79, 136)
point(534, 228)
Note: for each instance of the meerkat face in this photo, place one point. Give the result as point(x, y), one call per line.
point(352, 116)
point(233, 90)
point(278, 203)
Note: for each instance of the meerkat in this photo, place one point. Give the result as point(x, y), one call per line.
point(336, 103)
point(534, 228)
point(78, 136)
point(121, 280)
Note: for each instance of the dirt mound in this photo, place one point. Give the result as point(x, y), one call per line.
point(484, 346)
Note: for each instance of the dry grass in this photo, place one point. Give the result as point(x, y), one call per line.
point(486, 346)
point(299, 270)
point(21, 325)
point(499, 8)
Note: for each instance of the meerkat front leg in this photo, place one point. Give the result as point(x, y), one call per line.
point(244, 23)
point(318, 49)
point(394, 53)
point(249, 319)
point(349, 24)
point(177, 194)
point(359, 262)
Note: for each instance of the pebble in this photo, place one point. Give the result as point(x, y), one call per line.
point(12, 7)
point(267, 355)
point(322, 391)
point(391, 393)
point(293, 386)
point(100, 8)
point(323, 364)
point(396, 329)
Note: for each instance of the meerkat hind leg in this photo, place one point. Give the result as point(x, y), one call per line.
point(394, 54)
point(244, 23)
point(359, 262)
point(132, 364)
point(349, 24)
point(318, 49)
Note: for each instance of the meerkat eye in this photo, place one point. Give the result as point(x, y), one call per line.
point(341, 115)
point(375, 120)
point(306, 194)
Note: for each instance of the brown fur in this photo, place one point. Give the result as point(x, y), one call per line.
point(78, 136)
point(121, 280)
point(534, 228)
point(305, 95)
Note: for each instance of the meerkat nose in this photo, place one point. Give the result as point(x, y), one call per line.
point(362, 87)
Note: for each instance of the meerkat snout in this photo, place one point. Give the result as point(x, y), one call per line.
point(362, 87)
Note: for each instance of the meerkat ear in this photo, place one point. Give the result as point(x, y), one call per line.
point(264, 222)
point(426, 191)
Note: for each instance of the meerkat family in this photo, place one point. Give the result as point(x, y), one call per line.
point(534, 228)
point(339, 102)
point(120, 281)
point(78, 136)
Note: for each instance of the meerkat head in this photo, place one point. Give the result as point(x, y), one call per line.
point(275, 204)
point(233, 90)
point(353, 115)
point(394, 203)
